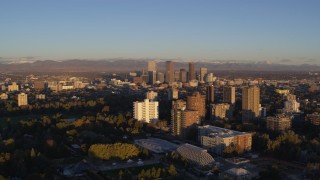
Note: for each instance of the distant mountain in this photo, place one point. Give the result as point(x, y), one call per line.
point(133, 65)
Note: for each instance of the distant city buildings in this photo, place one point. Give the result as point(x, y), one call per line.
point(152, 77)
point(283, 91)
point(152, 96)
point(216, 139)
point(203, 73)
point(192, 73)
point(13, 87)
point(41, 96)
point(210, 78)
point(160, 77)
point(4, 96)
point(22, 99)
point(169, 72)
point(176, 76)
point(210, 94)
point(152, 66)
point(146, 111)
point(39, 85)
point(183, 76)
point(173, 94)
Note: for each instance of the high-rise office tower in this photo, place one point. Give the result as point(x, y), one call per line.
point(160, 77)
point(145, 78)
point(183, 76)
point(210, 94)
point(229, 94)
point(209, 78)
point(176, 76)
point(192, 73)
point(203, 72)
point(169, 72)
point(152, 77)
point(197, 102)
point(146, 111)
point(152, 66)
point(22, 99)
point(250, 103)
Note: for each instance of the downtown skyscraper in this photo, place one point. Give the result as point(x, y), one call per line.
point(169, 72)
point(192, 73)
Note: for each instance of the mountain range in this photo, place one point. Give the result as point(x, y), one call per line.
point(133, 65)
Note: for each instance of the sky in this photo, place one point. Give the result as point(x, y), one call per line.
point(279, 31)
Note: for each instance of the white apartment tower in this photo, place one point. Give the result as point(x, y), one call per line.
point(146, 111)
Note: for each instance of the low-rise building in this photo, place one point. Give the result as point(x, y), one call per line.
point(151, 95)
point(220, 111)
point(13, 87)
point(195, 155)
point(41, 96)
point(216, 139)
point(4, 96)
point(156, 145)
point(236, 174)
point(279, 122)
point(313, 118)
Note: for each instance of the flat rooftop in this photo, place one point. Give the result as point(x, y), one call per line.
point(156, 145)
point(220, 132)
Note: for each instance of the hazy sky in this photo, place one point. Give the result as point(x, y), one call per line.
point(286, 31)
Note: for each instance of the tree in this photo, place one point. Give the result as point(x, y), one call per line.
point(120, 174)
point(117, 150)
point(158, 173)
point(260, 142)
point(172, 170)
point(32, 153)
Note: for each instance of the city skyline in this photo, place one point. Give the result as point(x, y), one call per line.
point(284, 32)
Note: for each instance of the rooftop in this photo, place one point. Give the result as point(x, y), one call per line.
point(195, 154)
point(156, 145)
point(237, 171)
point(221, 132)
